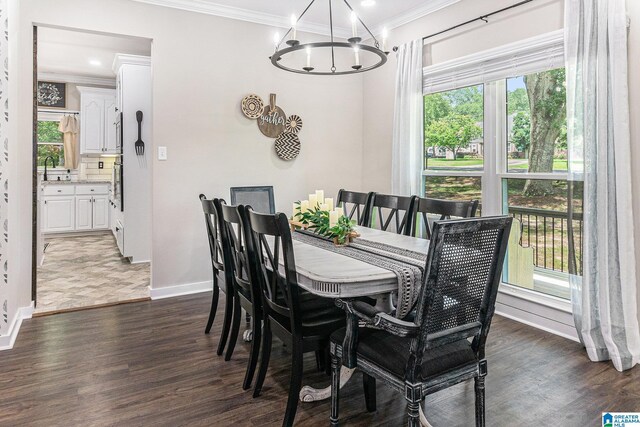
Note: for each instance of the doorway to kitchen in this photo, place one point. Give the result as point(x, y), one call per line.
point(91, 188)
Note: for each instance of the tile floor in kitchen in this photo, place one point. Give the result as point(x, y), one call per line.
point(83, 271)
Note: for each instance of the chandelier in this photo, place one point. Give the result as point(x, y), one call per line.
point(340, 57)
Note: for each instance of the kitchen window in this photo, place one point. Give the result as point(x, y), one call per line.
point(50, 143)
point(500, 136)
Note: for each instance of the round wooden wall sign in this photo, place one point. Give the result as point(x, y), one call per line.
point(252, 106)
point(272, 122)
point(287, 146)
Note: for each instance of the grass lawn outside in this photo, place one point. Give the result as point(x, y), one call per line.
point(559, 165)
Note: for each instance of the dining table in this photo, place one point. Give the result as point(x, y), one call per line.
point(357, 271)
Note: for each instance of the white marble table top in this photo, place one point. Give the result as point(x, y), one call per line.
point(333, 275)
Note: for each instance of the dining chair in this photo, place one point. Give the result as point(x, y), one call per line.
point(354, 203)
point(247, 292)
point(303, 321)
point(445, 209)
point(260, 198)
point(391, 213)
point(220, 263)
point(455, 305)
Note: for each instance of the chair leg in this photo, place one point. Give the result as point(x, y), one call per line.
point(235, 328)
point(335, 390)
point(254, 353)
point(479, 389)
point(264, 358)
point(294, 385)
point(369, 385)
point(413, 409)
point(228, 312)
point(214, 304)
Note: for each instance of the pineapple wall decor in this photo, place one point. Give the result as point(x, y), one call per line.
point(274, 123)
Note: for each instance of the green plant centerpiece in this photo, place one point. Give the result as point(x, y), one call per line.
point(339, 228)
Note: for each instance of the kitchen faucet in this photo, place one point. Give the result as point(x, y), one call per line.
point(53, 164)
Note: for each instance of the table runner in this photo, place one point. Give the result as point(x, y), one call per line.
point(407, 265)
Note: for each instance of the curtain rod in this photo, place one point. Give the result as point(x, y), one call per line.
point(42, 110)
point(479, 18)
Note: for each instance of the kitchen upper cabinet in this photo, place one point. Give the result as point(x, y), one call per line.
point(58, 214)
point(97, 121)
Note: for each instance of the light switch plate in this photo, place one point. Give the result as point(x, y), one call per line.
point(162, 153)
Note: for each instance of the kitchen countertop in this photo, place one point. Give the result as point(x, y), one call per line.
point(52, 182)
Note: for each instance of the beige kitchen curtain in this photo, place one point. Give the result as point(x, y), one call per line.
point(70, 127)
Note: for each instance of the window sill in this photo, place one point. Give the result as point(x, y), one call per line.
point(536, 297)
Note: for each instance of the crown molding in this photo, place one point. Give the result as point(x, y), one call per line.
point(79, 80)
point(124, 59)
point(231, 12)
point(413, 14)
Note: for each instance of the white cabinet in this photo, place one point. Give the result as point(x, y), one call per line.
point(75, 207)
point(84, 213)
point(58, 214)
point(100, 212)
point(97, 121)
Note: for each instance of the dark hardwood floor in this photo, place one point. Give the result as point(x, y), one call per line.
point(150, 363)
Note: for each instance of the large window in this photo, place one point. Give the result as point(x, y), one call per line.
point(504, 142)
point(50, 143)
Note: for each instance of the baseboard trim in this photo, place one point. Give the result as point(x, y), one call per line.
point(179, 290)
point(7, 341)
point(549, 319)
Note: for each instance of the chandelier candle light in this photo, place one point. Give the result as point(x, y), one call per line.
point(319, 215)
point(361, 50)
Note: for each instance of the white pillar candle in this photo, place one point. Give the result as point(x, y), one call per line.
point(324, 207)
point(276, 40)
point(320, 196)
point(329, 202)
point(333, 218)
point(313, 201)
point(304, 206)
point(293, 26)
point(340, 210)
point(354, 24)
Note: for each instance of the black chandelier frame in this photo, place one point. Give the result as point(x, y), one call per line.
point(351, 43)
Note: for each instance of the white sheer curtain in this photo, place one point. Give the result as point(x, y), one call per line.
point(408, 132)
point(604, 300)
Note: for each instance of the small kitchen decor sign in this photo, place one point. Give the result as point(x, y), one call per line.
point(274, 123)
point(51, 94)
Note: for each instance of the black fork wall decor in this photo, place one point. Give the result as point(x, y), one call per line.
point(139, 145)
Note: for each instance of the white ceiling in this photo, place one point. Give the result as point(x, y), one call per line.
point(68, 52)
point(385, 13)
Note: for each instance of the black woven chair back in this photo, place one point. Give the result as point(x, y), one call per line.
point(260, 198)
point(462, 275)
point(213, 219)
point(236, 241)
point(444, 209)
point(272, 243)
point(391, 213)
point(355, 204)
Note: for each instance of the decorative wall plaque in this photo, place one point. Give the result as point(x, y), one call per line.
point(252, 106)
point(53, 95)
point(287, 146)
point(274, 123)
point(294, 124)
